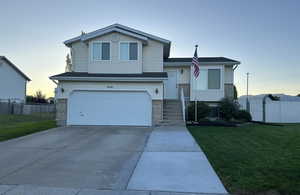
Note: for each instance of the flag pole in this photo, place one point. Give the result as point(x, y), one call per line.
point(196, 107)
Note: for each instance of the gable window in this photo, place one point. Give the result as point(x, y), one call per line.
point(100, 51)
point(208, 79)
point(128, 51)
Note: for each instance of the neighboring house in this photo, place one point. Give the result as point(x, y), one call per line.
point(12, 82)
point(121, 76)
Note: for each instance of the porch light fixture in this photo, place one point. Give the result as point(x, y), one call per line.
point(181, 71)
point(156, 91)
point(62, 90)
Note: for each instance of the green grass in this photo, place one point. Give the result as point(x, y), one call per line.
point(12, 126)
point(253, 158)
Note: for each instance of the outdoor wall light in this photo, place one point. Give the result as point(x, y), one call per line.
point(156, 91)
point(181, 71)
point(62, 90)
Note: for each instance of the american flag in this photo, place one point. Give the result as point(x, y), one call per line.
point(196, 64)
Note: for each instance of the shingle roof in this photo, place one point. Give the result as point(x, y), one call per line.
point(202, 59)
point(99, 75)
point(15, 67)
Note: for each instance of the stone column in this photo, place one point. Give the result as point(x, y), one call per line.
point(61, 112)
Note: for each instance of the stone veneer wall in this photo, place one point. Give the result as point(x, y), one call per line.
point(61, 112)
point(157, 111)
point(228, 90)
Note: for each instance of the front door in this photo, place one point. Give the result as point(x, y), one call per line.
point(170, 85)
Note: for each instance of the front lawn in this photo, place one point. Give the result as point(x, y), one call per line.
point(12, 126)
point(253, 158)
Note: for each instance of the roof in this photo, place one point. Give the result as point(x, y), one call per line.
point(145, 75)
point(15, 67)
point(124, 30)
point(204, 60)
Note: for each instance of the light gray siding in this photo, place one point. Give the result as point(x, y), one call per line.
point(153, 57)
point(115, 65)
point(150, 56)
point(79, 53)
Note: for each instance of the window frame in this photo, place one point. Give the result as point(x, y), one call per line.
point(92, 51)
point(128, 42)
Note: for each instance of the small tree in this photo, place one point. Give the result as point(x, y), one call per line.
point(39, 97)
point(68, 64)
point(228, 108)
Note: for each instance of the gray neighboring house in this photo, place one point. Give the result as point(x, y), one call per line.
point(12, 82)
point(123, 76)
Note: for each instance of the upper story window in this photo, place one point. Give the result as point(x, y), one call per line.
point(100, 51)
point(208, 79)
point(128, 50)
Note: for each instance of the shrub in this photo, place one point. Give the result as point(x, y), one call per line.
point(228, 108)
point(203, 111)
point(243, 115)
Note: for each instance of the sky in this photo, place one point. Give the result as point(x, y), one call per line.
point(264, 35)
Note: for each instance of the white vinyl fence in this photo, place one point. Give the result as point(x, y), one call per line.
point(276, 111)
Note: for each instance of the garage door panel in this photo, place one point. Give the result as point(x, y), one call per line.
point(109, 108)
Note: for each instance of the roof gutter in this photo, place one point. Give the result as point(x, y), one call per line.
point(203, 63)
point(106, 78)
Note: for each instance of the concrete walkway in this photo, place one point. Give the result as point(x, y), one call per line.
point(106, 160)
point(172, 161)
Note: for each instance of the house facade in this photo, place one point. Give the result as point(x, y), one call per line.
point(122, 76)
point(12, 82)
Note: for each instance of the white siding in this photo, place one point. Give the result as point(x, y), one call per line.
point(210, 94)
point(228, 74)
point(80, 57)
point(149, 87)
point(12, 84)
point(153, 57)
point(115, 65)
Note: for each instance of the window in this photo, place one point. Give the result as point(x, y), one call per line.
point(128, 51)
point(100, 51)
point(214, 79)
point(208, 79)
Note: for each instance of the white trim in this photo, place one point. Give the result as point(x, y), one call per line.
point(128, 51)
point(92, 52)
point(120, 28)
point(107, 79)
point(188, 64)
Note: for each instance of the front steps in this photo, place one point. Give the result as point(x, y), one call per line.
point(172, 113)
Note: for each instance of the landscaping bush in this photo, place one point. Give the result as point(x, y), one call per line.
point(243, 115)
point(203, 111)
point(228, 109)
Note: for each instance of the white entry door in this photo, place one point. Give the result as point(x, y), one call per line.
point(110, 108)
point(170, 86)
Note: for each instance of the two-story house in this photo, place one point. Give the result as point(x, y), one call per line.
point(122, 76)
point(13, 82)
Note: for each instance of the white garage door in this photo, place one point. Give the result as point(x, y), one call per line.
point(109, 108)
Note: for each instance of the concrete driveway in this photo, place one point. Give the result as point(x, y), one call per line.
point(105, 160)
